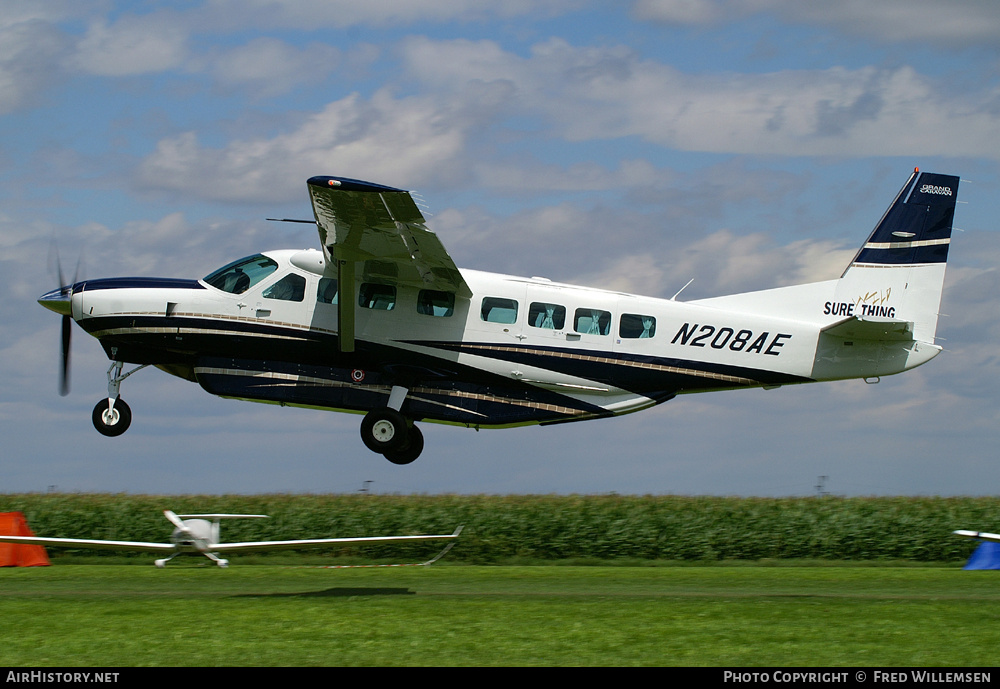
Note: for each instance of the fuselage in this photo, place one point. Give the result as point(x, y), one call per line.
point(519, 351)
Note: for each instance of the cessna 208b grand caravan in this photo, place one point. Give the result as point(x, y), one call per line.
point(381, 322)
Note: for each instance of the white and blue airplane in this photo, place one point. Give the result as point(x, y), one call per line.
point(382, 322)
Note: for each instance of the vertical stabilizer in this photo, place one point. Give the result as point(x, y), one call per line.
point(898, 274)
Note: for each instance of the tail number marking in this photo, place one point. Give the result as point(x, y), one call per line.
point(736, 340)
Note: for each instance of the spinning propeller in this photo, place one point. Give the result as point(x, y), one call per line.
point(60, 301)
point(179, 523)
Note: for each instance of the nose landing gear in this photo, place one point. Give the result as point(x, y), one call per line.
point(112, 416)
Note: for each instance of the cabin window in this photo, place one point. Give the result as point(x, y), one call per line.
point(592, 321)
point(499, 310)
point(633, 326)
point(241, 275)
point(378, 297)
point(289, 288)
point(549, 316)
point(326, 293)
point(433, 303)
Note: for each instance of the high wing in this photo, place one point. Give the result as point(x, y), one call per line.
point(979, 534)
point(88, 543)
point(321, 542)
point(381, 229)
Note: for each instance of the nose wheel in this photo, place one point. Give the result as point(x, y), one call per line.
point(112, 417)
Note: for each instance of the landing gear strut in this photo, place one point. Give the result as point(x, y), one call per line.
point(387, 432)
point(112, 416)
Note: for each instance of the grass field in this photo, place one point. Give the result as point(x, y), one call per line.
point(270, 615)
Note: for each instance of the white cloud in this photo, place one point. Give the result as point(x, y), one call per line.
point(268, 66)
point(601, 93)
point(14, 12)
point(721, 263)
point(309, 14)
point(133, 45)
point(957, 24)
point(389, 140)
point(30, 61)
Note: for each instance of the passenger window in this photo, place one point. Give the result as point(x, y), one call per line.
point(592, 321)
point(289, 288)
point(498, 310)
point(636, 327)
point(550, 316)
point(375, 296)
point(327, 291)
point(433, 303)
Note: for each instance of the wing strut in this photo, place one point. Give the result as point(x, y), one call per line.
point(345, 305)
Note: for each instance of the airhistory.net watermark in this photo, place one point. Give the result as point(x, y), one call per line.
point(43, 677)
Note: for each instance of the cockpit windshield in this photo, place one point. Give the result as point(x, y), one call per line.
point(241, 275)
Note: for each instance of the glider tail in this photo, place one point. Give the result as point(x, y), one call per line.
point(898, 274)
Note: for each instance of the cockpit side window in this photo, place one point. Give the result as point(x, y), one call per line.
point(241, 275)
point(289, 288)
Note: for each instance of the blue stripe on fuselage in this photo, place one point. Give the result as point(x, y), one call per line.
point(133, 283)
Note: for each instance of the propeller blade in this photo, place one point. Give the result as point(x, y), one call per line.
point(175, 520)
point(67, 333)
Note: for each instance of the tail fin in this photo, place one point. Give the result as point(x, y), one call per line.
point(898, 274)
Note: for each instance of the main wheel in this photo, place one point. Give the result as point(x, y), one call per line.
point(410, 451)
point(112, 422)
point(384, 430)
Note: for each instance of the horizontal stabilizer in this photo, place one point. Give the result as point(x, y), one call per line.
point(222, 516)
point(871, 329)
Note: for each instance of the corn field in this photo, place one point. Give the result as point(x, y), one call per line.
point(501, 529)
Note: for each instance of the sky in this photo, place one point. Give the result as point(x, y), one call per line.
point(635, 145)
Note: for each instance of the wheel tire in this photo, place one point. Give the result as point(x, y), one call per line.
point(384, 430)
point(411, 451)
point(113, 424)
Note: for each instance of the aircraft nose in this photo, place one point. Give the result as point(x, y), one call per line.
point(58, 300)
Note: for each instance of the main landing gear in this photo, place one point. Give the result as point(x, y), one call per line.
point(387, 432)
point(112, 416)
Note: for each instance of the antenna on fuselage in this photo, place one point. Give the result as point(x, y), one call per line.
point(674, 298)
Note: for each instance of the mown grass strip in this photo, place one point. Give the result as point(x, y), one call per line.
point(97, 615)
